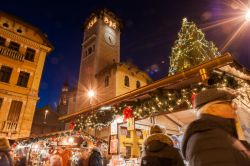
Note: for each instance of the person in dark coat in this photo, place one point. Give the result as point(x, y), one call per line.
point(22, 161)
point(5, 158)
point(95, 158)
point(212, 139)
point(158, 150)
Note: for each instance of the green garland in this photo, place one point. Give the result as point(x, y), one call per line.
point(161, 101)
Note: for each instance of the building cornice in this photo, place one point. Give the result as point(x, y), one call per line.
point(25, 40)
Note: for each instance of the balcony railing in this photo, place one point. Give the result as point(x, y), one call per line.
point(8, 126)
point(5, 51)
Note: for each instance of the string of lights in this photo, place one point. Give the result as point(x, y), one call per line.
point(161, 101)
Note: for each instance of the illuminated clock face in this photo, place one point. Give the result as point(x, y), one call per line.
point(110, 38)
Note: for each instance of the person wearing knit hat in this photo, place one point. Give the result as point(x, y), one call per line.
point(158, 150)
point(5, 158)
point(212, 139)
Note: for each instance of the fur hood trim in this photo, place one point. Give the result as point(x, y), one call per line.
point(158, 137)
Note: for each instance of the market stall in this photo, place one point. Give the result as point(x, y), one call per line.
point(68, 147)
point(167, 102)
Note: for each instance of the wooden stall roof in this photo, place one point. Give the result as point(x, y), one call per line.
point(176, 81)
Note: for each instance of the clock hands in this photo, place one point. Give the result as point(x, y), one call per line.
point(110, 40)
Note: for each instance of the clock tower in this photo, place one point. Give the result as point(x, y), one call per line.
point(100, 48)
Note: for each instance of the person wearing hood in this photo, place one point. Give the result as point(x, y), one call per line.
point(158, 150)
point(212, 139)
point(5, 158)
point(95, 158)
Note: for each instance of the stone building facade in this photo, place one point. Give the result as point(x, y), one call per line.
point(100, 68)
point(23, 49)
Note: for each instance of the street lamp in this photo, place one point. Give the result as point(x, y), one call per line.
point(46, 112)
point(91, 94)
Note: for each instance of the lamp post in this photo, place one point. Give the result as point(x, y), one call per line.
point(91, 94)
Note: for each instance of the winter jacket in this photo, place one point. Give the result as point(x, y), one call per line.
point(212, 141)
point(95, 159)
point(158, 150)
point(21, 161)
point(5, 159)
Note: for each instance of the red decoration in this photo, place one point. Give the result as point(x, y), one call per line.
point(14, 145)
point(72, 126)
point(193, 98)
point(127, 113)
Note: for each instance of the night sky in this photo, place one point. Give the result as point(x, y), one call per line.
point(150, 29)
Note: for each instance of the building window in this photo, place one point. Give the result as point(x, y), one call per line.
point(106, 81)
point(125, 132)
point(6, 25)
point(138, 84)
point(89, 50)
point(2, 41)
point(30, 54)
point(19, 30)
point(126, 81)
point(128, 134)
point(5, 74)
point(14, 46)
point(139, 134)
point(15, 110)
point(1, 102)
point(23, 79)
point(128, 151)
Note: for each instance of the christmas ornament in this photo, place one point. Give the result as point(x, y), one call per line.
point(127, 113)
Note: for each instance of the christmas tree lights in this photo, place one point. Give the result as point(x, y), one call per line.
point(191, 48)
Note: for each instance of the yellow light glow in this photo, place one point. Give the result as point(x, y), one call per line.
point(235, 14)
point(247, 16)
point(91, 93)
point(71, 140)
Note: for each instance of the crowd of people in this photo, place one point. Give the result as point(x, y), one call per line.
point(213, 139)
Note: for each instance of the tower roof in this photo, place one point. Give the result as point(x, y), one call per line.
point(99, 13)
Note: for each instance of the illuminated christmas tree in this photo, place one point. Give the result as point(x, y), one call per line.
point(191, 48)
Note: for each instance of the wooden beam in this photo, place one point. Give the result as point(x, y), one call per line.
point(173, 119)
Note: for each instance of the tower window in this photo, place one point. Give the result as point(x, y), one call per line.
point(5, 73)
point(93, 47)
point(106, 81)
point(14, 46)
point(138, 84)
point(90, 50)
point(2, 41)
point(23, 79)
point(30, 54)
point(126, 81)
